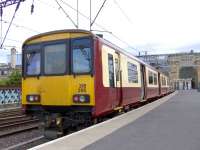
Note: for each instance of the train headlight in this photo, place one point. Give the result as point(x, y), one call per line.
point(83, 98)
point(33, 98)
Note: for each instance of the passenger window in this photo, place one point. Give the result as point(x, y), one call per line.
point(167, 81)
point(132, 73)
point(117, 69)
point(150, 77)
point(163, 81)
point(111, 70)
point(155, 79)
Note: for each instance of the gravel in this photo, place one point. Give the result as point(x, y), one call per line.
point(15, 139)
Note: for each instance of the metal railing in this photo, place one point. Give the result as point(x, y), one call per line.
point(10, 95)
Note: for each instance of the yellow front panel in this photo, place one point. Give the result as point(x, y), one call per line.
point(58, 90)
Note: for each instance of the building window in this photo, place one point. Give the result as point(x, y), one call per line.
point(132, 73)
point(111, 70)
point(5, 72)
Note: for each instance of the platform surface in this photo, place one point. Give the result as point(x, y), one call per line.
point(174, 125)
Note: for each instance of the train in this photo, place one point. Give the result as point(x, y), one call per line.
point(74, 77)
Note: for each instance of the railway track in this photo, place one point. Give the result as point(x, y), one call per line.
point(28, 144)
point(15, 121)
point(11, 112)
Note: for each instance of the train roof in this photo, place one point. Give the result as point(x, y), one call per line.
point(58, 31)
point(94, 35)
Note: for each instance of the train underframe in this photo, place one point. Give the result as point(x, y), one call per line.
point(58, 121)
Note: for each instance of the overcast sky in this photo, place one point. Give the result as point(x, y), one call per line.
point(156, 26)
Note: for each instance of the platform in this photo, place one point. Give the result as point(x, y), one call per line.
point(174, 125)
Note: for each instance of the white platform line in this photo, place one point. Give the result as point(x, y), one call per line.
point(85, 137)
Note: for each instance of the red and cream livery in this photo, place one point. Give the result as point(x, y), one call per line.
point(72, 77)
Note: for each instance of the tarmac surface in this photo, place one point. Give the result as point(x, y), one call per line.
point(174, 125)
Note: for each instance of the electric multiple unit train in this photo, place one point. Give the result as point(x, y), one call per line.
point(73, 77)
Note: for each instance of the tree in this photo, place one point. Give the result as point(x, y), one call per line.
point(15, 78)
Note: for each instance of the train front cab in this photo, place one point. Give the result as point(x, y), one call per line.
point(58, 78)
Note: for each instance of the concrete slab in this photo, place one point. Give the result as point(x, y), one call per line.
point(174, 125)
point(83, 138)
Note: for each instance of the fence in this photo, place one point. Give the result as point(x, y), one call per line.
point(10, 95)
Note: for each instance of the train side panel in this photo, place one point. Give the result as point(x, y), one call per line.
point(131, 80)
point(152, 83)
point(112, 87)
point(105, 97)
point(164, 85)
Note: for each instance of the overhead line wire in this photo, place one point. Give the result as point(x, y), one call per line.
point(83, 15)
point(98, 12)
point(17, 7)
point(66, 14)
point(20, 26)
point(123, 12)
point(100, 26)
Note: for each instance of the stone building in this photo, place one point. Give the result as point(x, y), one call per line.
point(4, 70)
point(182, 68)
point(14, 62)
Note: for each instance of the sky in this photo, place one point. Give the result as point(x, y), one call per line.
point(155, 26)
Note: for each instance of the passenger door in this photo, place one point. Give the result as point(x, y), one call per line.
point(143, 82)
point(159, 83)
point(114, 78)
point(118, 79)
